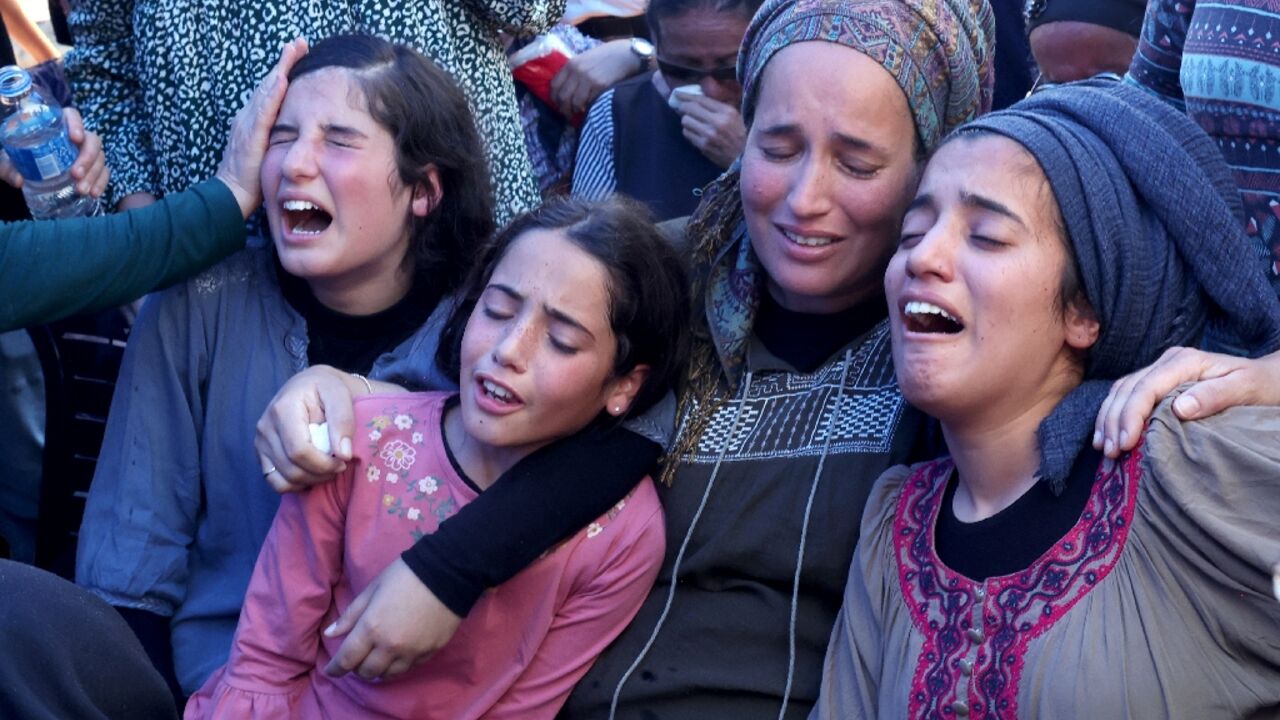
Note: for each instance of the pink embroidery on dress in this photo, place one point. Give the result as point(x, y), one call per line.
point(1002, 616)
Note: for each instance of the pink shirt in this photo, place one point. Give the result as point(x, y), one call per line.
point(516, 655)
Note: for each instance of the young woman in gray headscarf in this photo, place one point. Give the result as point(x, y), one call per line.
point(1051, 249)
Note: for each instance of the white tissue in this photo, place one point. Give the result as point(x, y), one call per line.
point(684, 92)
point(320, 437)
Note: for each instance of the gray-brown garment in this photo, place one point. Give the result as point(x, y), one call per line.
point(1184, 625)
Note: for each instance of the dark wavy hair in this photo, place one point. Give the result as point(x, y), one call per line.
point(431, 124)
point(647, 285)
point(661, 9)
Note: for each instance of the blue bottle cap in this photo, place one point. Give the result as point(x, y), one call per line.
point(14, 82)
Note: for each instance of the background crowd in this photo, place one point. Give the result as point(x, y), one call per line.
point(945, 384)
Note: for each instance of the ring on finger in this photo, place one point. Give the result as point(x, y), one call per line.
point(268, 471)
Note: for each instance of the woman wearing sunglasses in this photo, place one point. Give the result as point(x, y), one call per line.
point(661, 136)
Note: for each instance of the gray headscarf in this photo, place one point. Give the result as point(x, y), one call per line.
point(1155, 221)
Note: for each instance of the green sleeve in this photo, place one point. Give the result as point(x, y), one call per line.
point(53, 269)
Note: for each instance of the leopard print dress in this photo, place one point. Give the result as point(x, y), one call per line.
point(161, 79)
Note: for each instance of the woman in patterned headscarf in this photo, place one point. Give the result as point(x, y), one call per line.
point(790, 410)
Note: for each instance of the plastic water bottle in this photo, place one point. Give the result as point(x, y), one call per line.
point(35, 139)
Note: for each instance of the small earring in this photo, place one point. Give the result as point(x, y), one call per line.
point(617, 409)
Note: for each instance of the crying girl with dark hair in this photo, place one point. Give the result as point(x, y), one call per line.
point(376, 194)
point(575, 316)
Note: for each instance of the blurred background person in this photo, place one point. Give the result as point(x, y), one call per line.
point(69, 655)
point(660, 137)
point(1217, 62)
point(1077, 39)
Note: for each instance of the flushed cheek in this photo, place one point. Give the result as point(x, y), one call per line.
point(761, 183)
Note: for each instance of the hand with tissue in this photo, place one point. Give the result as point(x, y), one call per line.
point(714, 127)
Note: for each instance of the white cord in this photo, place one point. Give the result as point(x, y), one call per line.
point(804, 536)
point(675, 568)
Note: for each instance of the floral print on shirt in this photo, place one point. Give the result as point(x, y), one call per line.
point(395, 439)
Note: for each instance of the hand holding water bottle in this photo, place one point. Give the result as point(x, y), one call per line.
point(90, 168)
point(59, 165)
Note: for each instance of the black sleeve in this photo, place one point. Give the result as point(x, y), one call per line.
point(544, 499)
point(153, 632)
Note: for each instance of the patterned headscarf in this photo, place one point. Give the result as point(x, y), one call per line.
point(938, 51)
point(1154, 219)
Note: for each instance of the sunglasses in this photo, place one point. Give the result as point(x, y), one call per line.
point(685, 75)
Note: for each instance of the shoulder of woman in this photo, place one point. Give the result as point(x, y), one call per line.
point(882, 503)
point(1219, 477)
point(1239, 440)
point(250, 269)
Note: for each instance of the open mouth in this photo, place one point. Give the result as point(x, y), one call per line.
point(498, 393)
point(807, 240)
point(305, 218)
point(923, 317)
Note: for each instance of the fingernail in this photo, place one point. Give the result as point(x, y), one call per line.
point(1124, 438)
point(329, 631)
point(1187, 405)
point(345, 445)
point(1108, 448)
point(1097, 439)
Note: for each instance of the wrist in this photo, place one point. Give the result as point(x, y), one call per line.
point(359, 385)
point(247, 201)
point(644, 52)
point(142, 199)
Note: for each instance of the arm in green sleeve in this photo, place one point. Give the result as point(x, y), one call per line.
point(53, 269)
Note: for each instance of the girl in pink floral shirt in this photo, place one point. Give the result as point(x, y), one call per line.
point(576, 316)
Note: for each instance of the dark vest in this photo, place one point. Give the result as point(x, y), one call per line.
point(652, 161)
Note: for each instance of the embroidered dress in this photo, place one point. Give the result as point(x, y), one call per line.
point(161, 79)
point(1156, 604)
point(516, 655)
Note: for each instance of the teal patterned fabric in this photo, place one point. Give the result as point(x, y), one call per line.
point(939, 51)
point(161, 79)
